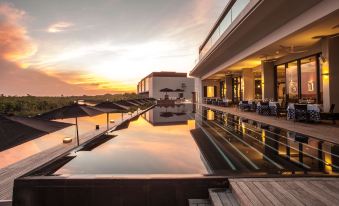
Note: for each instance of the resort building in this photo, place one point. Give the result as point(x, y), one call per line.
point(283, 50)
point(179, 85)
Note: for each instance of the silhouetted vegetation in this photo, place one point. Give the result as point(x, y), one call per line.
point(33, 105)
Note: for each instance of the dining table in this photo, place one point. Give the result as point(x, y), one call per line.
point(313, 111)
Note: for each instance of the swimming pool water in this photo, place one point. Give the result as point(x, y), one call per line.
point(184, 139)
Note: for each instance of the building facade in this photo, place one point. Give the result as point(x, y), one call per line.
point(181, 85)
point(284, 50)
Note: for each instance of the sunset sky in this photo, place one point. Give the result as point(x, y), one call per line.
point(75, 47)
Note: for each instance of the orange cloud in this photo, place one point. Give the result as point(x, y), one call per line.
point(15, 44)
point(92, 83)
point(59, 27)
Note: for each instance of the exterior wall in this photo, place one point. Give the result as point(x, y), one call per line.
point(198, 90)
point(151, 85)
point(174, 83)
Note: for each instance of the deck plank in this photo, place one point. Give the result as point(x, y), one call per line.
point(302, 195)
point(288, 191)
point(249, 193)
point(267, 193)
point(239, 194)
point(259, 194)
point(315, 192)
point(293, 200)
point(322, 186)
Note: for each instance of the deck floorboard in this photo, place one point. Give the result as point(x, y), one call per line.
point(286, 191)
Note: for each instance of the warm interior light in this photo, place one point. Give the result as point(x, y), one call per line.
point(210, 115)
point(210, 91)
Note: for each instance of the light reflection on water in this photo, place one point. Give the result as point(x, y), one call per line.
point(142, 149)
point(86, 127)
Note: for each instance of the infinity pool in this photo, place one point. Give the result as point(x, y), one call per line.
point(186, 140)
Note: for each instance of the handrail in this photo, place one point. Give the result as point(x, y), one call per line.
point(222, 25)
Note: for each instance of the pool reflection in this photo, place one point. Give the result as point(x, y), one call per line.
point(188, 140)
point(149, 146)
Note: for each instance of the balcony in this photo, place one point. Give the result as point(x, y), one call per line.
point(233, 9)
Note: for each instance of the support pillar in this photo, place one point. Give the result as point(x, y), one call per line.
point(268, 86)
point(228, 81)
point(330, 73)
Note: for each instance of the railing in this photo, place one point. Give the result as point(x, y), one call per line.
point(231, 15)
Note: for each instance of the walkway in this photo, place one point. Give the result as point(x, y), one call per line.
point(324, 131)
point(13, 171)
point(286, 191)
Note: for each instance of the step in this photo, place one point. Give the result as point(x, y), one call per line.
point(199, 202)
point(222, 197)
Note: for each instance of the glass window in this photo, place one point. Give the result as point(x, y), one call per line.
point(238, 6)
point(309, 79)
point(292, 81)
point(281, 83)
point(257, 85)
point(210, 91)
point(226, 22)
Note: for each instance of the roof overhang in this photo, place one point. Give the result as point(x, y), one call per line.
point(258, 21)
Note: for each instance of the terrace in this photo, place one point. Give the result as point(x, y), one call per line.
point(23, 158)
point(188, 154)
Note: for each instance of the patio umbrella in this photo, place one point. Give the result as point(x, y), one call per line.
point(134, 101)
point(110, 107)
point(16, 130)
point(166, 90)
point(125, 103)
point(71, 111)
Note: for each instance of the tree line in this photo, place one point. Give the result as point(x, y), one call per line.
point(33, 105)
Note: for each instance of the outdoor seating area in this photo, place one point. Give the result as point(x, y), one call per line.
point(305, 112)
point(218, 102)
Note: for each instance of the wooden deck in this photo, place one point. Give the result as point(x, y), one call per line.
point(325, 130)
point(286, 191)
point(13, 171)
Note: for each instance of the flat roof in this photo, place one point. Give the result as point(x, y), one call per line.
point(165, 74)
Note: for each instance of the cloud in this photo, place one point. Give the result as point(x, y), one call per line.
point(59, 27)
point(17, 81)
point(15, 44)
point(92, 83)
